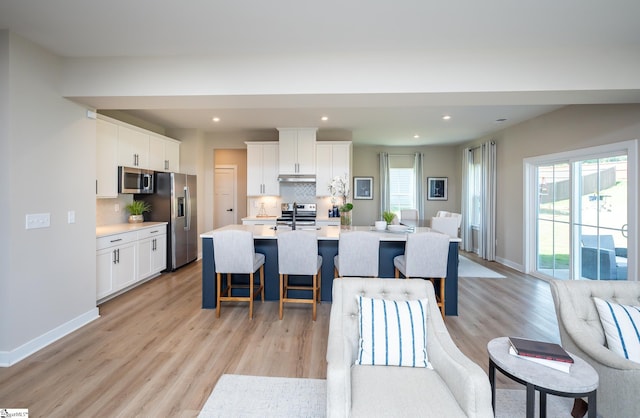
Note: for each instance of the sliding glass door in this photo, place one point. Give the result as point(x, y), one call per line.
point(601, 218)
point(581, 226)
point(553, 226)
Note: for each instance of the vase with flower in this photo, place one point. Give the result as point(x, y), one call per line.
point(339, 188)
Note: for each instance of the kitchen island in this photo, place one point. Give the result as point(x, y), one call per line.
point(391, 245)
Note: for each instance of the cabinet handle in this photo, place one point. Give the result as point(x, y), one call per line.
point(166, 164)
point(114, 257)
point(153, 247)
point(116, 240)
point(154, 232)
point(118, 250)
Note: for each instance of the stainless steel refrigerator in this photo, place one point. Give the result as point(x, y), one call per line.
point(175, 201)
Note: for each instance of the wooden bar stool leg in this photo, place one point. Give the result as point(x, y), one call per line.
point(251, 284)
point(262, 281)
point(397, 273)
point(319, 285)
point(281, 294)
point(315, 290)
point(218, 289)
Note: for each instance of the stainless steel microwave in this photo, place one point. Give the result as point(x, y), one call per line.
point(135, 180)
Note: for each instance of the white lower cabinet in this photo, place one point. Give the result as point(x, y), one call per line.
point(125, 259)
point(152, 252)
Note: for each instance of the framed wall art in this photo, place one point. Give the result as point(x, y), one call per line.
point(363, 188)
point(436, 188)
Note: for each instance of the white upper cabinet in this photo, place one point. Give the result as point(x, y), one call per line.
point(333, 158)
point(118, 143)
point(297, 150)
point(262, 169)
point(164, 153)
point(106, 159)
point(133, 147)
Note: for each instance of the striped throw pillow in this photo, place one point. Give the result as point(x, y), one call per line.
point(392, 332)
point(621, 325)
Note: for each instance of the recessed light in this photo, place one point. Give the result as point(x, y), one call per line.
point(416, 136)
point(325, 118)
point(446, 117)
point(215, 119)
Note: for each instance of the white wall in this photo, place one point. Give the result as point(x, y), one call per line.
point(569, 128)
point(5, 181)
point(48, 166)
point(435, 71)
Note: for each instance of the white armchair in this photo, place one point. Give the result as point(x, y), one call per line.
point(582, 333)
point(454, 387)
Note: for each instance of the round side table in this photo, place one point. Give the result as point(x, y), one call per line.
point(582, 379)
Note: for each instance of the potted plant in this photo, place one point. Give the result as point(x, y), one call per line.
point(345, 214)
point(388, 216)
point(136, 210)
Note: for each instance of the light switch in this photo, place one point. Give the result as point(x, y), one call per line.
point(71, 217)
point(38, 220)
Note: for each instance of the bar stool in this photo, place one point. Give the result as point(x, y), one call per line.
point(298, 255)
point(446, 225)
point(358, 253)
point(234, 253)
point(425, 256)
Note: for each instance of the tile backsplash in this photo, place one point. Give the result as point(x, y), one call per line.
point(106, 213)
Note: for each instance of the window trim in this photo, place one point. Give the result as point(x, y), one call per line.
point(530, 189)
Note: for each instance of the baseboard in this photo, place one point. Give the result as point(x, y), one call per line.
point(9, 358)
point(510, 264)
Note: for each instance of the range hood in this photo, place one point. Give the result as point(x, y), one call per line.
point(297, 178)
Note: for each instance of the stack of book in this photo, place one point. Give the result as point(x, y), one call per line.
point(547, 354)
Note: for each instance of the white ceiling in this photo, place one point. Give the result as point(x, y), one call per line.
point(209, 28)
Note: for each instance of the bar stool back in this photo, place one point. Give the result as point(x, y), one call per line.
point(234, 252)
point(358, 254)
point(298, 255)
point(425, 255)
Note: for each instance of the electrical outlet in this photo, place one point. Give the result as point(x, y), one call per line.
point(37, 220)
point(116, 208)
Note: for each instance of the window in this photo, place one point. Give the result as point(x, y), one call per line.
point(580, 227)
point(402, 189)
point(402, 193)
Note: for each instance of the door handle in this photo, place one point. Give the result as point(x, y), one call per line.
point(229, 210)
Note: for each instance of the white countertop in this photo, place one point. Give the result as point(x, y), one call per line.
point(106, 230)
point(323, 232)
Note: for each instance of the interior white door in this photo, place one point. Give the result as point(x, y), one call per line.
point(224, 196)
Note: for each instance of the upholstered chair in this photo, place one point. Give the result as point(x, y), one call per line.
point(426, 255)
point(454, 386)
point(582, 333)
point(408, 215)
point(445, 225)
point(298, 255)
point(358, 254)
point(234, 253)
point(602, 257)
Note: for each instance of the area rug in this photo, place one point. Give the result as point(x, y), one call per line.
point(468, 268)
point(260, 396)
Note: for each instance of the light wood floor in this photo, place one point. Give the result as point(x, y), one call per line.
point(155, 353)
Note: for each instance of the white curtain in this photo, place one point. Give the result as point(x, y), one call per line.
point(467, 207)
point(418, 168)
point(479, 199)
point(385, 187)
point(487, 239)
